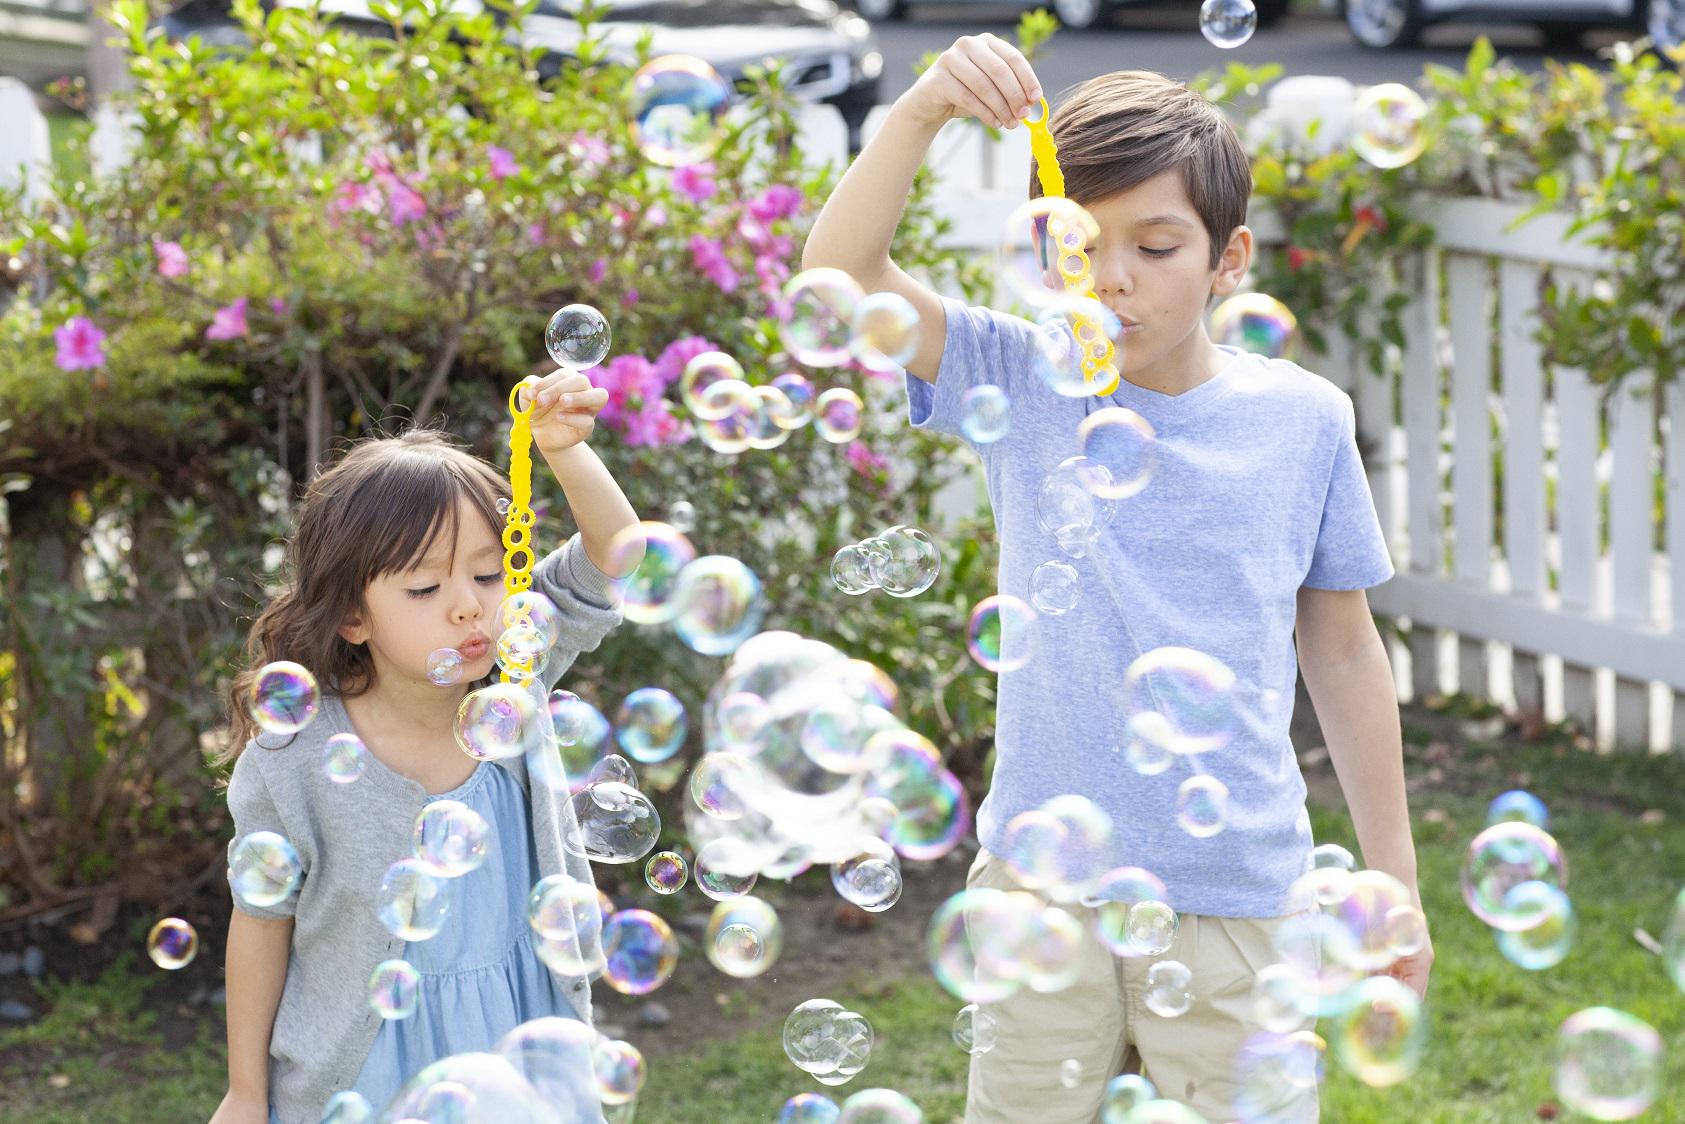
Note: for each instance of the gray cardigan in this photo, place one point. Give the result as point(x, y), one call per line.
point(346, 837)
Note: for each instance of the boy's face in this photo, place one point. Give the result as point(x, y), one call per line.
point(1152, 268)
point(448, 600)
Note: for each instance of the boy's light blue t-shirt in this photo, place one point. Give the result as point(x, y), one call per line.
point(1258, 490)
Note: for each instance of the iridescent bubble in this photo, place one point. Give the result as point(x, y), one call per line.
point(263, 869)
point(283, 697)
point(975, 1029)
point(412, 902)
point(1119, 450)
point(1202, 806)
point(1502, 857)
point(932, 811)
point(743, 720)
point(444, 667)
point(577, 337)
point(871, 879)
point(1151, 928)
point(1545, 942)
point(998, 635)
point(720, 605)
point(1055, 588)
point(1043, 237)
point(617, 823)
point(678, 105)
point(1380, 1033)
point(1276, 999)
point(851, 571)
point(451, 837)
point(1387, 125)
point(1275, 1074)
point(651, 725)
point(985, 414)
point(1332, 855)
point(496, 721)
point(661, 553)
point(823, 1038)
point(620, 1072)
point(838, 735)
point(681, 516)
point(1318, 950)
point(392, 989)
point(1227, 23)
point(520, 651)
point(1370, 909)
point(839, 415)
point(1049, 951)
point(1192, 691)
point(348, 1107)
point(912, 562)
point(819, 325)
point(581, 736)
point(1518, 805)
point(1168, 989)
point(718, 782)
point(1124, 1093)
point(1075, 332)
point(1068, 507)
point(704, 372)
point(744, 937)
point(1608, 1063)
point(1115, 897)
point(809, 1108)
point(880, 1106)
point(731, 422)
point(1255, 322)
point(975, 940)
point(766, 428)
point(725, 868)
point(885, 331)
point(666, 872)
point(552, 1054)
point(530, 609)
point(639, 952)
point(1033, 847)
point(800, 394)
point(567, 915)
point(344, 758)
point(172, 943)
point(1147, 747)
point(1070, 1073)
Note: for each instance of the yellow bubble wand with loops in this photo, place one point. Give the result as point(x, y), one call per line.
point(1099, 371)
point(518, 524)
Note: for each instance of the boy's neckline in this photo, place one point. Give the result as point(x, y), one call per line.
point(1130, 393)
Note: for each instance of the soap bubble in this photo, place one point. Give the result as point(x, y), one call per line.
point(851, 571)
point(344, 758)
point(819, 325)
point(263, 869)
point(720, 605)
point(1068, 506)
point(1332, 855)
point(839, 735)
point(838, 415)
point(1119, 452)
point(730, 406)
point(1193, 692)
point(663, 553)
point(1276, 999)
point(639, 952)
point(705, 371)
point(998, 636)
point(1256, 322)
point(744, 937)
point(976, 939)
point(1228, 23)
point(1070, 1073)
point(831, 1043)
point(1518, 805)
point(1150, 928)
point(725, 868)
point(768, 426)
point(552, 1053)
point(444, 667)
point(412, 902)
point(617, 823)
point(744, 721)
point(283, 697)
point(348, 1107)
point(871, 879)
point(1387, 125)
point(577, 337)
point(580, 734)
point(172, 943)
point(1380, 1033)
point(681, 516)
point(1609, 1063)
point(1318, 950)
point(392, 989)
point(1122, 894)
point(809, 1108)
point(1055, 588)
point(678, 105)
point(1503, 856)
point(666, 872)
point(975, 1029)
point(799, 393)
point(620, 1070)
point(496, 721)
point(451, 837)
point(530, 609)
point(1042, 236)
point(717, 784)
point(1167, 990)
point(911, 564)
point(520, 651)
point(932, 811)
point(1123, 1093)
point(651, 725)
point(1202, 806)
point(1275, 1075)
point(567, 916)
point(1545, 942)
point(1375, 908)
point(880, 1106)
point(885, 331)
point(1076, 333)
point(985, 414)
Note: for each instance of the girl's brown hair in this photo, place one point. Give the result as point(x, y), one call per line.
point(377, 511)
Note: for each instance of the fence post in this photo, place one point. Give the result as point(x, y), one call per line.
point(26, 151)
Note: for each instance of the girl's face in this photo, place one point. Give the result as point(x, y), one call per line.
point(449, 599)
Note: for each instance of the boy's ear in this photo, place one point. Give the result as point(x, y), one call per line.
point(1232, 266)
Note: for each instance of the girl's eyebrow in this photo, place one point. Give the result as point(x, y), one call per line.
point(432, 563)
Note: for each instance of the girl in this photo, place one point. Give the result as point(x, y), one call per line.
point(396, 553)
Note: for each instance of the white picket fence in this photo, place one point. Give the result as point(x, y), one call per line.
point(1544, 616)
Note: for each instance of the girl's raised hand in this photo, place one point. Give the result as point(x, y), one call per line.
point(565, 408)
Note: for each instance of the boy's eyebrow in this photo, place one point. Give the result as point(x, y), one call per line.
point(1166, 220)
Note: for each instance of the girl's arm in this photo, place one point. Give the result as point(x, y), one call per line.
point(255, 971)
point(599, 507)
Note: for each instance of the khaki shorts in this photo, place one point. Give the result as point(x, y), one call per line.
point(1101, 1022)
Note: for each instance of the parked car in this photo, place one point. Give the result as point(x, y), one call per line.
point(1072, 13)
point(1399, 23)
point(829, 55)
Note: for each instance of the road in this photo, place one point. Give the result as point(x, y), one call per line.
point(1166, 38)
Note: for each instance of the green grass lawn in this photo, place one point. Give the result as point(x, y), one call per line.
point(1493, 1025)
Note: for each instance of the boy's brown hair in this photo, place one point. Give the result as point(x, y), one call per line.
point(1123, 128)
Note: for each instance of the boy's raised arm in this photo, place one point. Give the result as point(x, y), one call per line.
point(979, 76)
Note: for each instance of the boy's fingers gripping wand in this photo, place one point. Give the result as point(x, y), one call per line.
point(1099, 372)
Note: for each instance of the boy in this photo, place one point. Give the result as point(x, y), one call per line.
point(1256, 529)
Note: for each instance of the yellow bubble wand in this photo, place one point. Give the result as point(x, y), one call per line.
point(518, 523)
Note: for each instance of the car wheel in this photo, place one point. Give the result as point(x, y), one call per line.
point(1079, 14)
point(1665, 23)
point(1270, 11)
point(881, 9)
point(1384, 23)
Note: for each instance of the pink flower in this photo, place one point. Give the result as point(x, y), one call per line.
point(81, 345)
point(628, 298)
point(536, 234)
point(229, 323)
point(278, 306)
point(772, 272)
point(631, 383)
point(656, 215)
point(779, 201)
point(867, 464)
point(654, 425)
point(172, 259)
point(673, 359)
point(711, 260)
point(598, 271)
point(500, 162)
point(379, 163)
point(355, 196)
point(589, 149)
point(695, 182)
point(405, 204)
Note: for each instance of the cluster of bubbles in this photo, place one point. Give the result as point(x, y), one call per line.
point(868, 1106)
point(732, 415)
point(902, 561)
point(713, 602)
point(828, 1041)
point(829, 320)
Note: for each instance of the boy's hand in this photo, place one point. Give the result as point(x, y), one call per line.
point(979, 76)
point(1413, 970)
point(565, 409)
point(242, 1108)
